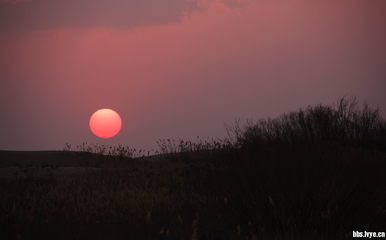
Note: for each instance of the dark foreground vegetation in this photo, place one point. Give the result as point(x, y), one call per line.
point(317, 173)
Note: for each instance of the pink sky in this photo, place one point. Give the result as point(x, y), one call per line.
point(179, 69)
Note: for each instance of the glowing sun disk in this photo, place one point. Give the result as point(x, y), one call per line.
point(105, 123)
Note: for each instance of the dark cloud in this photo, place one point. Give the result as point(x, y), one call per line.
point(11, 1)
point(235, 3)
point(48, 14)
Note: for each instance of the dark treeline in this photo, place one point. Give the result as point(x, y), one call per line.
point(345, 124)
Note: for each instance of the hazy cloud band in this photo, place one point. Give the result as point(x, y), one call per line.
point(48, 14)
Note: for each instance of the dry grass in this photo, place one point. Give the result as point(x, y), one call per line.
point(283, 188)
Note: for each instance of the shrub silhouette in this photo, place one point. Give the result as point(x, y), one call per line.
point(345, 124)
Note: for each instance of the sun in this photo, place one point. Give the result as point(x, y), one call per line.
point(105, 123)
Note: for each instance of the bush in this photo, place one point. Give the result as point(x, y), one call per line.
point(345, 124)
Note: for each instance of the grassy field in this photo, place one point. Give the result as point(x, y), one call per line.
point(317, 173)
